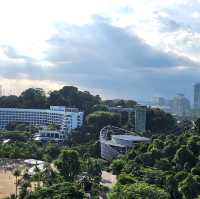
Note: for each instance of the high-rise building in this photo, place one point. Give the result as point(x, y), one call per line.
point(180, 105)
point(197, 96)
point(1, 91)
point(160, 101)
point(136, 116)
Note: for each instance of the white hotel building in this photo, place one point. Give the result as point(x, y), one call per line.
point(65, 118)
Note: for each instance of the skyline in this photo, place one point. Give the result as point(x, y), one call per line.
point(13, 91)
point(102, 46)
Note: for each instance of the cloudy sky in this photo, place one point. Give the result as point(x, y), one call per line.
point(118, 48)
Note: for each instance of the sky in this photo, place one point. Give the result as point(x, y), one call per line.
point(116, 48)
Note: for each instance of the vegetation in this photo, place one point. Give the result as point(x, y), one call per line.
point(67, 96)
point(167, 168)
point(159, 122)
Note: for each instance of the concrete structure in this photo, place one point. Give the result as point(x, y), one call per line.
point(65, 118)
point(197, 96)
point(136, 116)
point(180, 105)
point(48, 135)
point(116, 141)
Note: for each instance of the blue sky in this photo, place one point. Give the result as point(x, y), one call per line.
point(116, 48)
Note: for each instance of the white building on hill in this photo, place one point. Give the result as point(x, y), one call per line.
point(63, 117)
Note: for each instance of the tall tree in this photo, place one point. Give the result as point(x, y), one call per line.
point(68, 164)
point(160, 122)
point(33, 98)
point(16, 173)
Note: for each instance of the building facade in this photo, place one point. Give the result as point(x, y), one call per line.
point(136, 116)
point(116, 141)
point(49, 135)
point(63, 117)
point(197, 96)
point(180, 105)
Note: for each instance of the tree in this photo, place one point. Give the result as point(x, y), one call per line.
point(52, 152)
point(138, 190)
point(190, 187)
point(125, 179)
point(71, 96)
point(117, 166)
point(66, 190)
point(48, 175)
point(120, 102)
point(145, 159)
point(160, 122)
point(171, 185)
point(94, 168)
point(11, 101)
point(33, 98)
point(197, 126)
point(99, 119)
point(163, 164)
point(68, 164)
point(16, 173)
point(184, 155)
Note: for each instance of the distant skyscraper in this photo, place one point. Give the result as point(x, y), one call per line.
point(197, 96)
point(1, 91)
point(180, 105)
point(161, 101)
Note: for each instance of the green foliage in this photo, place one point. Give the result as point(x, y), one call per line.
point(184, 155)
point(117, 166)
point(139, 190)
point(72, 97)
point(68, 164)
point(11, 101)
point(125, 179)
point(122, 103)
point(59, 191)
point(67, 96)
point(100, 119)
point(97, 120)
point(197, 126)
point(33, 98)
point(145, 159)
point(190, 187)
point(169, 162)
point(93, 167)
point(160, 122)
point(15, 135)
point(163, 164)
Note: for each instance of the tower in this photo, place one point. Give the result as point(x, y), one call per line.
point(1, 91)
point(197, 96)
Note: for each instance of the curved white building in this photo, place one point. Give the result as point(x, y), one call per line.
point(116, 141)
point(65, 118)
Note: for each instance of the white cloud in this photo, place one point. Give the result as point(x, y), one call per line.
point(28, 25)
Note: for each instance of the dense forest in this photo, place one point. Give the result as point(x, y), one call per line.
point(169, 167)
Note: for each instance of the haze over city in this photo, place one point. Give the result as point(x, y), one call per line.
point(102, 46)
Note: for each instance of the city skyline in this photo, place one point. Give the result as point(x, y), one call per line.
point(7, 90)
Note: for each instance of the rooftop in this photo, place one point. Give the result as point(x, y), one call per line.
point(131, 137)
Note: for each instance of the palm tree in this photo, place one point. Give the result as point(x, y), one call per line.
point(37, 175)
point(48, 175)
point(16, 173)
